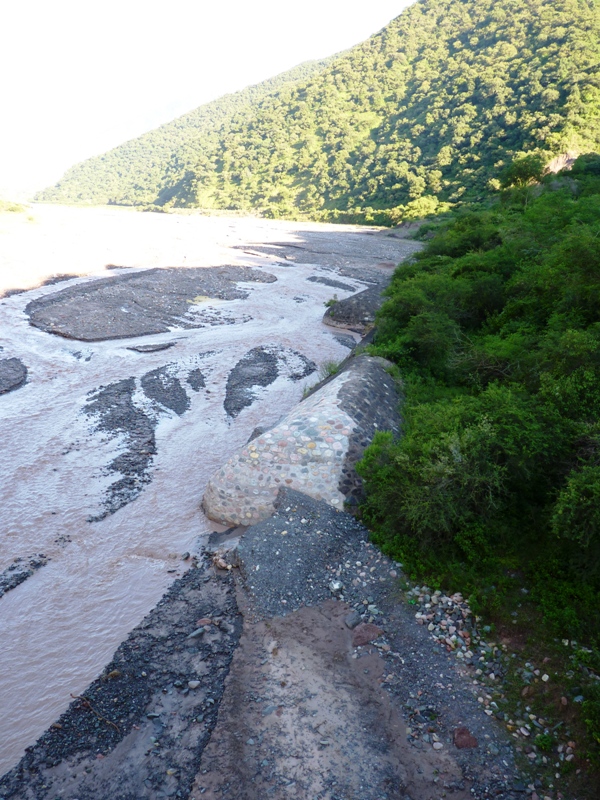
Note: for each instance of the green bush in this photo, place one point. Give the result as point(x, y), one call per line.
point(576, 517)
point(495, 326)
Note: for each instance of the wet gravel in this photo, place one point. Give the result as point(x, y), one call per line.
point(336, 688)
point(346, 287)
point(19, 571)
point(308, 552)
point(166, 389)
point(140, 729)
point(113, 412)
point(116, 411)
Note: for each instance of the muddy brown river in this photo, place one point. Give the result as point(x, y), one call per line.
point(108, 445)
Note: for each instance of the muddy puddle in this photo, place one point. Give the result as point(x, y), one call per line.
point(107, 447)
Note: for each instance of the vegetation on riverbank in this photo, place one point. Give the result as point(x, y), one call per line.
point(494, 488)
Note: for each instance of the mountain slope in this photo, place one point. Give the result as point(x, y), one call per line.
point(431, 107)
point(148, 169)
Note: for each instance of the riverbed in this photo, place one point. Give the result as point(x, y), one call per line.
point(109, 444)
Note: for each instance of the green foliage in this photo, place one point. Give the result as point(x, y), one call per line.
point(591, 711)
point(329, 368)
point(523, 171)
point(545, 742)
point(576, 516)
point(496, 327)
point(155, 168)
point(422, 115)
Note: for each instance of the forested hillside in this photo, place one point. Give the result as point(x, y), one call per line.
point(149, 169)
point(427, 110)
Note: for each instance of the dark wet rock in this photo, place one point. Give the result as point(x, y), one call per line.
point(258, 431)
point(151, 348)
point(141, 303)
point(196, 379)
point(13, 374)
point(372, 399)
point(346, 340)
point(346, 287)
point(351, 255)
point(352, 620)
point(357, 312)
point(138, 731)
point(19, 571)
point(166, 389)
point(260, 367)
point(113, 411)
point(257, 368)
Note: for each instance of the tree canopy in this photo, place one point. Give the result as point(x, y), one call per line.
point(426, 111)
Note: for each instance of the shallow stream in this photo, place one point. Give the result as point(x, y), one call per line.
point(62, 624)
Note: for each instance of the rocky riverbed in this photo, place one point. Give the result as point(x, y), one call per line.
point(141, 351)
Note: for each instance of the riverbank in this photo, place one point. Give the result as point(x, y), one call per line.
point(315, 703)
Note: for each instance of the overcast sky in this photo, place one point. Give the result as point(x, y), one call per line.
point(80, 76)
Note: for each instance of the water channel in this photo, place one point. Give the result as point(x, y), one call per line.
point(104, 570)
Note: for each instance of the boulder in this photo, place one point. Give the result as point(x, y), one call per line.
point(313, 450)
point(13, 374)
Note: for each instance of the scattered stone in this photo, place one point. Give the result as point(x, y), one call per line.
point(352, 620)
point(151, 348)
point(365, 633)
point(464, 739)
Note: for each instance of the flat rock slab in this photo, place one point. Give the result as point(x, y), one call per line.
point(356, 313)
point(13, 374)
point(151, 348)
point(352, 254)
point(313, 449)
point(139, 730)
point(142, 303)
point(260, 367)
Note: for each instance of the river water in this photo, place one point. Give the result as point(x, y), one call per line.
point(61, 625)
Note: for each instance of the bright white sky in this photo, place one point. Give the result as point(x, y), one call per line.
point(81, 77)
